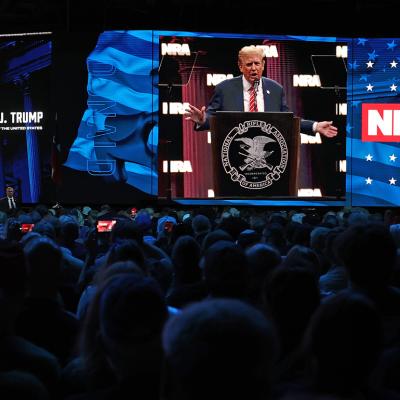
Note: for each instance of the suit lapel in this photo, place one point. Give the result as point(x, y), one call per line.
point(239, 96)
point(265, 94)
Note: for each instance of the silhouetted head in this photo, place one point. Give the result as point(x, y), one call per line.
point(12, 284)
point(291, 296)
point(44, 260)
point(226, 270)
point(234, 225)
point(185, 258)
point(45, 228)
point(12, 268)
point(201, 224)
point(262, 259)
point(126, 229)
point(213, 237)
point(126, 250)
point(248, 238)
point(132, 312)
point(219, 349)
point(369, 253)
point(303, 257)
point(344, 341)
point(122, 329)
point(274, 235)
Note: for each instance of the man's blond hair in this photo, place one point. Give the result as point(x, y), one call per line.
point(250, 50)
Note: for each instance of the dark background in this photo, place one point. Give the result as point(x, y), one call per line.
point(316, 17)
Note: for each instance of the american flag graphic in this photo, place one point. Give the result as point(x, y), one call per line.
point(373, 168)
point(117, 137)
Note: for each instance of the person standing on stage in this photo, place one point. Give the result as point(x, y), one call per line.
point(9, 204)
point(251, 92)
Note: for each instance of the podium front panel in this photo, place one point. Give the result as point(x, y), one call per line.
point(254, 154)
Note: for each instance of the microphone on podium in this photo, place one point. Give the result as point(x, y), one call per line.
point(255, 85)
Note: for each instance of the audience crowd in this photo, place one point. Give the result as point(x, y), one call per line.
point(195, 304)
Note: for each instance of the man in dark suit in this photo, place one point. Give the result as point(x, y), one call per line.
point(235, 95)
point(9, 204)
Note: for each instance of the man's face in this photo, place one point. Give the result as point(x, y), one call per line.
point(251, 65)
point(10, 192)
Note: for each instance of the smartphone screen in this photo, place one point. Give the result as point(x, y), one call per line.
point(105, 225)
point(27, 227)
point(168, 225)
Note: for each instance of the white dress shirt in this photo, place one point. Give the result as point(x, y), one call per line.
point(11, 203)
point(260, 98)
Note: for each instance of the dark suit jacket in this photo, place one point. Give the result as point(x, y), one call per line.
point(228, 96)
point(4, 206)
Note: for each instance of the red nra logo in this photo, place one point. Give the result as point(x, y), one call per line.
point(380, 122)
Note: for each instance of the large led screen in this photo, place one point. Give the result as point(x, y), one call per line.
point(373, 127)
point(26, 116)
point(131, 141)
point(98, 118)
point(313, 73)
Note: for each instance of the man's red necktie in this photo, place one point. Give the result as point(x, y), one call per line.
point(253, 100)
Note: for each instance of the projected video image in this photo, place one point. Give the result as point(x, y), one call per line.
point(313, 73)
point(26, 119)
point(373, 129)
point(113, 151)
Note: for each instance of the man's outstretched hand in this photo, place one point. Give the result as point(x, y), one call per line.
point(326, 128)
point(196, 115)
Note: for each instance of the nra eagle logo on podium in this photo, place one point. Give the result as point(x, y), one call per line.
point(254, 154)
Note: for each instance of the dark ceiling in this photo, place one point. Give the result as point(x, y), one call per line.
point(315, 17)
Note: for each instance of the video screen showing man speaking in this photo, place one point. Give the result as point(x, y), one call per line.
point(313, 75)
point(26, 119)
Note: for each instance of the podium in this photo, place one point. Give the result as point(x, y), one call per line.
point(255, 154)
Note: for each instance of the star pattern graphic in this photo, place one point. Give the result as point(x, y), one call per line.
point(372, 56)
point(374, 164)
point(392, 45)
point(353, 65)
point(349, 128)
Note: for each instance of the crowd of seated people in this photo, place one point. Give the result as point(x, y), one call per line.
point(201, 303)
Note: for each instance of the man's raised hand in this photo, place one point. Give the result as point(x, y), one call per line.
point(196, 115)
